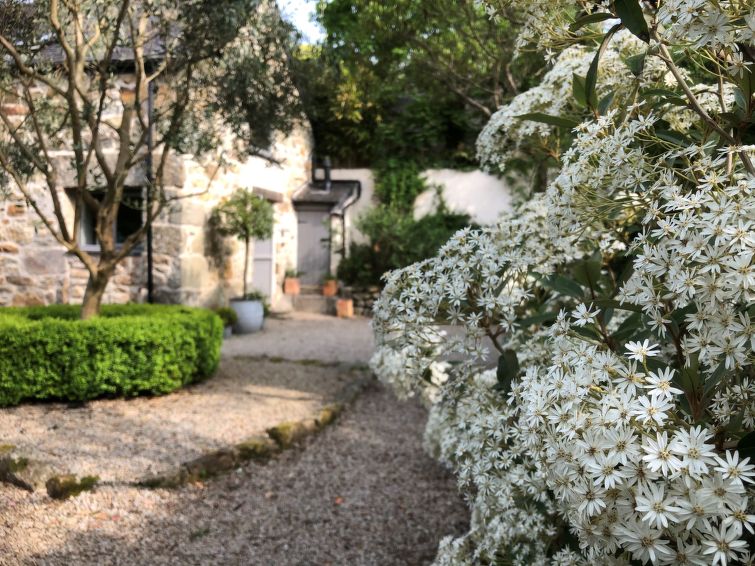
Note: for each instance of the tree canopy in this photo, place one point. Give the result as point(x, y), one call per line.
point(412, 79)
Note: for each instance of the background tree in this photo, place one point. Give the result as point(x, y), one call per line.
point(74, 82)
point(412, 80)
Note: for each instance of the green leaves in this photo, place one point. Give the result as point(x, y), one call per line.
point(630, 14)
point(508, 369)
point(746, 446)
point(550, 120)
point(587, 271)
point(591, 79)
point(48, 353)
point(666, 96)
point(564, 286)
point(636, 64)
point(245, 215)
point(579, 89)
point(590, 19)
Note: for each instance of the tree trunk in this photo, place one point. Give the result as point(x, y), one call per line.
point(246, 263)
point(90, 306)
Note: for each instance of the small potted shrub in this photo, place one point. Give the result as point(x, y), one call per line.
point(291, 284)
point(229, 318)
point(329, 285)
point(247, 217)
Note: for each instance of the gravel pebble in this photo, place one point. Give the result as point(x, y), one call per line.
point(361, 493)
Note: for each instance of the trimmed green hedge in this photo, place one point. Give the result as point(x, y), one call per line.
point(48, 353)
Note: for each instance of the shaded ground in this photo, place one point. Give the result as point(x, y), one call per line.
point(362, 493)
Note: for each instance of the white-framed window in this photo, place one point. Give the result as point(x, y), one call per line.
point(130, 218)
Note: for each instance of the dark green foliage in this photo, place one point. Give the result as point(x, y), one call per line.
point(227, 315)
point(398, 184)
point(396, 240)
point(409, 79)
point(48, 353)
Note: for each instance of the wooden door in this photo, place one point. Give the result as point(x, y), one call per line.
point(313, 244)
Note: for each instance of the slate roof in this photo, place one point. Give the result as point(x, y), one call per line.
point(316, 193)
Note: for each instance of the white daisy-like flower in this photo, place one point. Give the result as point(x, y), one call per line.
point(660, 383)
point(652, 409)
point(582, 315)
point(724, 544)
point(658, 455)
point(695, 452)
point(640, 351)
point(733, 469)
point(658, 508)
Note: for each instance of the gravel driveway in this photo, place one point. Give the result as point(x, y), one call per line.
point(304, 336)
point(360, 493)
point(127, 440)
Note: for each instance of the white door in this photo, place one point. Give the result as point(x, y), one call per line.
point(263, 267)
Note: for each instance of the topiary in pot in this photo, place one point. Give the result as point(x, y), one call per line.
point(229, 318)
point(247, 217)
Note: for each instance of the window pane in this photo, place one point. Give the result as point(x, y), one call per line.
point(88, 237)
point(129, 216)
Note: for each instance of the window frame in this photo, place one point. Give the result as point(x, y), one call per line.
point(96, 248)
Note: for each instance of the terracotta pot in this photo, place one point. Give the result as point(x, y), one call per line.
point(345, 308)
point(330, 288)
point(291, 286)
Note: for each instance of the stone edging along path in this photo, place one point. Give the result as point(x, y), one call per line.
point(283, 402)
point(259, 447)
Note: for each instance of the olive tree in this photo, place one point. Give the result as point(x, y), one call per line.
point(247, 217)
point(77, 84)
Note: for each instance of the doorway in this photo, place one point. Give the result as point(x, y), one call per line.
point(313, 253)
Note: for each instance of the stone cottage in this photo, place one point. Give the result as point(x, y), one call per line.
point(191, 264)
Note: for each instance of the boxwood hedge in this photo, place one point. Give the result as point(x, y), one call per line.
point(48, 353)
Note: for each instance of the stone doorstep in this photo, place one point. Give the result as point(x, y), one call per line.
point(33, 475)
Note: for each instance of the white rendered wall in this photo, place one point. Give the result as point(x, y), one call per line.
point(480, 195)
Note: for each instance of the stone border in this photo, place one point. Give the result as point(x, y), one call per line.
point(258, 448)
point(33, 475)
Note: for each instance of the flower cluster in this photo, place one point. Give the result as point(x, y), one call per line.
point(633, 472)
point(618, 424)
point(707, 24)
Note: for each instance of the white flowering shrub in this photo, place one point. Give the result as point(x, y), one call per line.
point(588, 363)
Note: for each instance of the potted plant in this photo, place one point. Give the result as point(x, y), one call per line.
point(329, 285)
point(229, 318)
point(291, 282)
point(247, 217)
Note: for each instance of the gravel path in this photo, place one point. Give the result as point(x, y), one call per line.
point(128, 440)
point(303, 336)
point(360, 493)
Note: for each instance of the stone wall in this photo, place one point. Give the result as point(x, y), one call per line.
point(36, 270)
point(364, 298)
point(190, 265)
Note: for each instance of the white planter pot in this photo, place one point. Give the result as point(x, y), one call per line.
point(251, 316)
